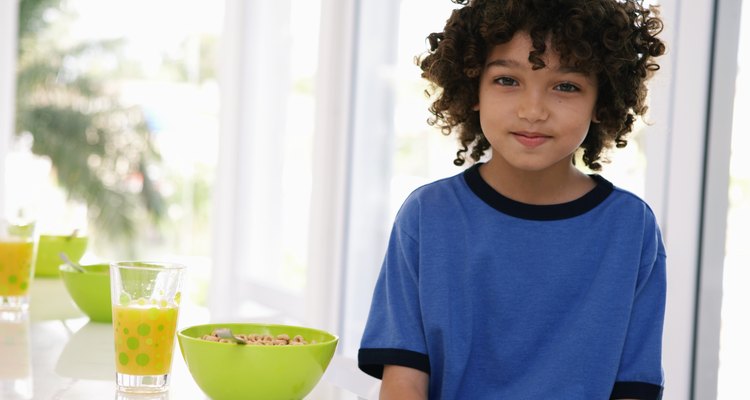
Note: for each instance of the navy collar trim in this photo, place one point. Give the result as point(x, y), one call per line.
point(535, 212)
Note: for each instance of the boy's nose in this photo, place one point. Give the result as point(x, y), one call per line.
point(532, 108)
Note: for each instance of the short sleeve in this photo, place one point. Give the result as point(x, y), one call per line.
point(640, 373)
point(394, 333)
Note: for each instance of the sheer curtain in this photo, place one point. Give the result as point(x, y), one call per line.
point(280, 187)
point(8, 48)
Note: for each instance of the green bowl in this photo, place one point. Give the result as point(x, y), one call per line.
point(49, 249)
point(90, 290)
point(226, 371)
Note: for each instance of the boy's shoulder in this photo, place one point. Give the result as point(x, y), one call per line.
point(631, 206)
point(628, 196)
point(435, 195)
point(435, 190)
point(444, 183)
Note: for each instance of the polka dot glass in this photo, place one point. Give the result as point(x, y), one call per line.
point(17, 251)
point(145, 304)
point(144, 339)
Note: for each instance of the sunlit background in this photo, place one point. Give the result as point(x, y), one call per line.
point(163, 67)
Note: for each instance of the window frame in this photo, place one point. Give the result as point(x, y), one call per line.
point(715, 208)
point(675, 152)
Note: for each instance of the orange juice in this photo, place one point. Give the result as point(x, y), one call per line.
point(15, 267)
point(144, 338)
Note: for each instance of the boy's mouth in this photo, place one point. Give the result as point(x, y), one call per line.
point(530, 139)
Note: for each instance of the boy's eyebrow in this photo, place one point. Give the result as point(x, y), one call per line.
point(571, 70)
point(502, 62)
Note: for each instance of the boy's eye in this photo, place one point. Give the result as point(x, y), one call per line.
point(505, 81)
point(567, 87)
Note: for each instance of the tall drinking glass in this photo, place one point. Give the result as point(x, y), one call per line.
point(17, 252)
point(145, 303)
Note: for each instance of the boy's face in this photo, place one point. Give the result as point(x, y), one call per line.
point(533, 119)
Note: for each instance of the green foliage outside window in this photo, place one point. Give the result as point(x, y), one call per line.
point(101, 151)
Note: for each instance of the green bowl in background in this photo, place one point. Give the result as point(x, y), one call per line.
point(90, 290)
point(226, 371)
point(49, 249)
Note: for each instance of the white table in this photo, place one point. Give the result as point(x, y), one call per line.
point(55, 352)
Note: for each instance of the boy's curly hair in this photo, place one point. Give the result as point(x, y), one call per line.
point(613, 39)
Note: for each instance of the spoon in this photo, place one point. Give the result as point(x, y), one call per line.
point(73, 235)
point(68, 261)
point(226, 333)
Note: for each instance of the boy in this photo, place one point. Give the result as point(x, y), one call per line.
point(523, 277)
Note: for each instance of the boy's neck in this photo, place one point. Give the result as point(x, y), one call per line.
point(550, 186)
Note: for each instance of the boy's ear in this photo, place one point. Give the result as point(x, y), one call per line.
point(594, 118)
point(476, 107)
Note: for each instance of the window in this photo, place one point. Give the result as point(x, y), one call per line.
point(735, 320)
point(152, 92)
point(268, 79)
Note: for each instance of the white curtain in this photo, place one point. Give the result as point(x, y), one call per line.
point(8, 51)
point(255, 80)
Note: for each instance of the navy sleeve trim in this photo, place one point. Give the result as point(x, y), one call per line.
point(636, 390)
point(372, 361)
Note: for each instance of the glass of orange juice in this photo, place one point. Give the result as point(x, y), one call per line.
point(17, 252)
point(145, 303)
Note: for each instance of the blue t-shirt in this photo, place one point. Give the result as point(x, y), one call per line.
point(497, 299)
